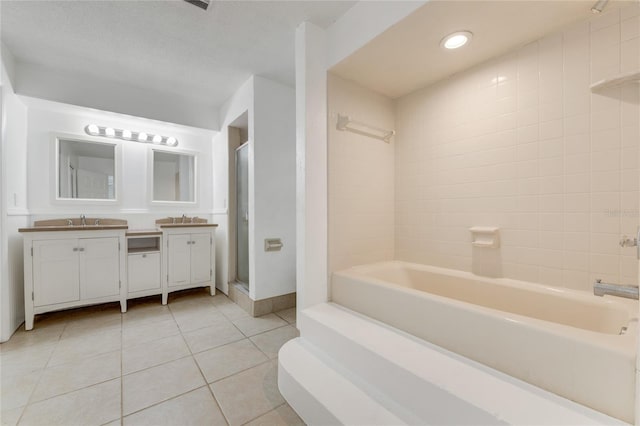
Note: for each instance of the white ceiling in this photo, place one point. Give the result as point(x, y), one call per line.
point(408, 56)
point(169, 47)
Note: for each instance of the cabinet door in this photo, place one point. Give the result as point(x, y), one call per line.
point(55, 272)
point(143, 271)
point(179, 259)
point(99, 267)
point(200, 258)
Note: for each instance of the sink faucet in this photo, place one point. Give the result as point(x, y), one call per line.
point(628, 291)
point(184, 216)
point(83, 220)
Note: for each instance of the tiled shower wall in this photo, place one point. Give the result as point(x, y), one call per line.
point(522, 143)
point(361, 179)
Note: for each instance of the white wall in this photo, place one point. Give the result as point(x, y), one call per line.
point(90, 92)
point(361, 178)
point(317, 50)
point(363, 22)
point(273, 159)
point(271, 113)
point(522, 143)
point(13, 190)
point(311, 166)
point(238, 104)
point(47, 118)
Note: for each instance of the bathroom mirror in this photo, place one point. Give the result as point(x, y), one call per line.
point(86, 170)
point(173, 177)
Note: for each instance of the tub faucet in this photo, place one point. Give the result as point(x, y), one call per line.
point(83, 220)
point(628, 291)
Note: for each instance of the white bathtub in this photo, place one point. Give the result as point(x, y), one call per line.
point(567, 342)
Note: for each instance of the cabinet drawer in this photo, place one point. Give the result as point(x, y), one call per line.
point(143, 271)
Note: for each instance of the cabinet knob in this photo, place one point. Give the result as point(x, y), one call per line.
point(144, 255)
point(193, 242)
point(75, 249)
point(81, 249)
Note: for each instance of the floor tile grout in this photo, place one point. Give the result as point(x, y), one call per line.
point(41, 374)
point(257, 417)
point(145, 321)
point(203, 376)
point(121, 373)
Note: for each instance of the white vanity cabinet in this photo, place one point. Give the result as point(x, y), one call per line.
point(188, 257)
point(65, 268)
point(144, 263)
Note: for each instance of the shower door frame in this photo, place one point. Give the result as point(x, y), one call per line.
point(245, 145)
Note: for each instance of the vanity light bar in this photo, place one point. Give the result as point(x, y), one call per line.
point(128, 135)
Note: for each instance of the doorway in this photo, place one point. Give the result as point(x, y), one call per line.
point(242, 215)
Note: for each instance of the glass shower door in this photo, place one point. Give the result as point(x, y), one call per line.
point(242, 214)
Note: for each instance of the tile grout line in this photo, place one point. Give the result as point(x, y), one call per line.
point(42, 373)
point(122, 375)
point(202, 373)
point(263, 414)
point(163, 401)
point(122, 370)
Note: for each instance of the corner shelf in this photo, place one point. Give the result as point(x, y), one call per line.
point(616, 81)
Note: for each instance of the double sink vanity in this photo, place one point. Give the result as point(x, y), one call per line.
point(86, 261)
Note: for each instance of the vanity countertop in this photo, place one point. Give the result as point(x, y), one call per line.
point(53, 228)
point(186, 225)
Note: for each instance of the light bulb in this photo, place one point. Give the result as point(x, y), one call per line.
point(172, 141)
point(109, 132)
point(142, 137)
point(92, 129)
point(126, 134)
point(157, 139)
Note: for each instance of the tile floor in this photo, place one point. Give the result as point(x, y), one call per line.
point(200, 360)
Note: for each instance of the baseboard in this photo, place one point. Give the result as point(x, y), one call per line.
point(257, 308)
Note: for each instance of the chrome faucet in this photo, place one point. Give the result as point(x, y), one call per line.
point(83, 220)
point(628, 291)
point(184, 217)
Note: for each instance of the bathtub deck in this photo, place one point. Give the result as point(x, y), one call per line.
point(365, 372)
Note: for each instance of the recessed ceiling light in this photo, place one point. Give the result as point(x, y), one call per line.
point(456, 40)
